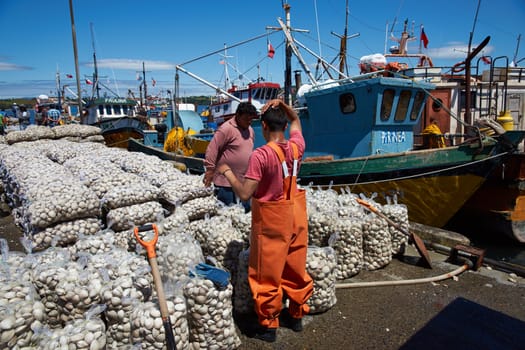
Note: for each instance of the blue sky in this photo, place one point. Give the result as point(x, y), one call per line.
point(37, 40)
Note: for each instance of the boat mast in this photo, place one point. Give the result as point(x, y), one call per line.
point(468, 118)
point(96, 88)
point(342, 47)
point(59, 97)
point(515, 58)
point(145, 84)
point(288, 64)
point(227, 82)
point(75, 52)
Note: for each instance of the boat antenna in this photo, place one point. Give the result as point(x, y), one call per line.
point(467, 71)
point(75, 52)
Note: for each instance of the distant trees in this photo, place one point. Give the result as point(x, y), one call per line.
point(7, 103)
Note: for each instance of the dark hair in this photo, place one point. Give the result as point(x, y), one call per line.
point(246, 108)
point(275, 119)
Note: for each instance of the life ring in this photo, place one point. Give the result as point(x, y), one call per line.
point(53, 117)
point(458, 67)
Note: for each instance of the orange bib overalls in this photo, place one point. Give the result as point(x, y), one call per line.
point(279, 241)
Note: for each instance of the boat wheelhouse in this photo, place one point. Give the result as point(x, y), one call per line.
point(118, 118)
point(257, 93)
point(361, 117)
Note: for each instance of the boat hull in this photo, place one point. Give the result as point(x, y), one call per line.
point(117, 131)
point(498, 206)
point(434, 185)
point(193, 164)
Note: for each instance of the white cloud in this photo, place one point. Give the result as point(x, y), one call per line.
point(11, 66)
point(132, 64)
point(455, 50)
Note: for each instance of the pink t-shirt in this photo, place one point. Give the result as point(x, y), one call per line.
point(265, 167)
point(230, 145)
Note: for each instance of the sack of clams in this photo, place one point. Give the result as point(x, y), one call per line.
point(147, 328)
point(210, 315)
point(398, 213)
point(88, 333)
point(321, 265)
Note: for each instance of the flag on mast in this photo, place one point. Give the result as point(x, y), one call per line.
point(424, 37)
point(89, 82)
point(69, 76)
point(271, 50)
point(153, 82)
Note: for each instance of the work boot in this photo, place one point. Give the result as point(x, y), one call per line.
point(265, 334)
point(295, 324)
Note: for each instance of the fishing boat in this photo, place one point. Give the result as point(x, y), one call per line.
point(361, 134)
point(117, 118)
point(120, 118)
point(348, 148)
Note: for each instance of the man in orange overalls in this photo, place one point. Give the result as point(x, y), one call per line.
point(279, 236)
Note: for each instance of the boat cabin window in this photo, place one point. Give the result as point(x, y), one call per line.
point(117, 109)
point(418, 103)
point(347, 103)
point(387, 103)
point(402, 105)
point(101, 110)
point(256, 93)
point(273, 93)
point(108, 110)
point(125, 109)
point(225, 107)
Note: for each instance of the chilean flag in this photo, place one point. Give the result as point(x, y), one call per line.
point(423, 37)
point(69, 76)
point(89, 82)
point(271, 50)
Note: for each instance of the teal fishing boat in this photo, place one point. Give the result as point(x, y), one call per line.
point(359, 135)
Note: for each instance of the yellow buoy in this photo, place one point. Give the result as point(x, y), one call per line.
point(505, 120)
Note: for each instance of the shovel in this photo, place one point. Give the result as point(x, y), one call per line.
point(148, 241)
point(420, 245)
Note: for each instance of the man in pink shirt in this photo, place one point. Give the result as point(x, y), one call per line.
point(232, 145)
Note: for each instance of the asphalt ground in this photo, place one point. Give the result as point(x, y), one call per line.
point(402, 317)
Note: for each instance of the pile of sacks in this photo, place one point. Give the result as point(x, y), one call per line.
point(77, 205)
